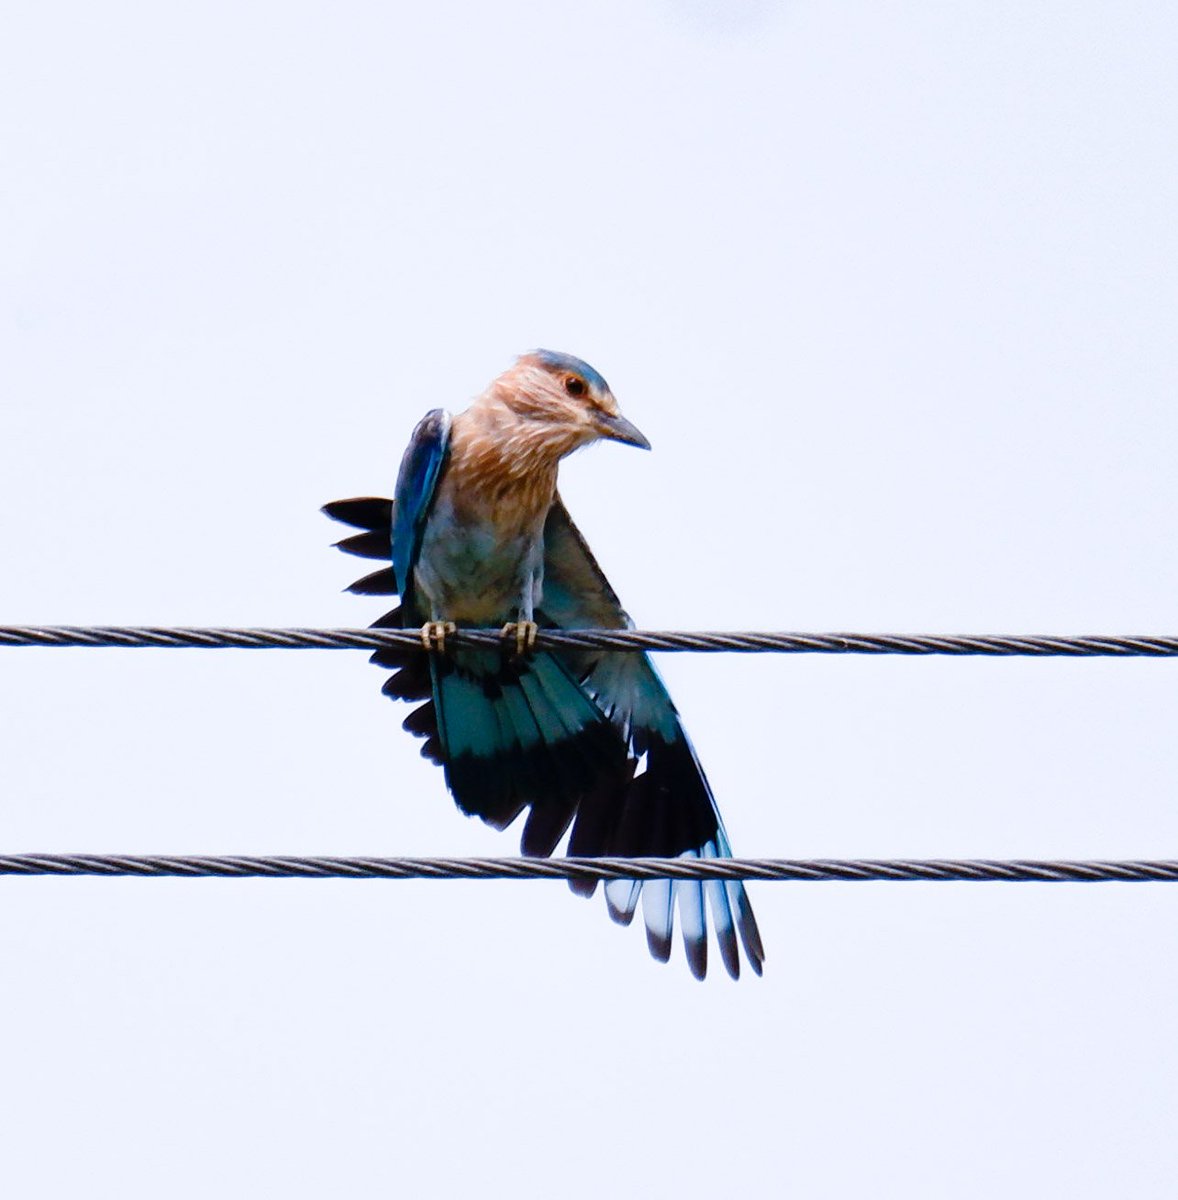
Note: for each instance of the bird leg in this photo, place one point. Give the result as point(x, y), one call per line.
point(524, 633)
point(435, 633)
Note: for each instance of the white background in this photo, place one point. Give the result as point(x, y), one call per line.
point(891, 288)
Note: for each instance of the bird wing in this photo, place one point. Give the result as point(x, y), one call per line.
point(576, 591)
point(668, 807)
point(420, 470)
point(392, 529)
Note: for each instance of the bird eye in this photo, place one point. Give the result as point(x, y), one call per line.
point(574, 386)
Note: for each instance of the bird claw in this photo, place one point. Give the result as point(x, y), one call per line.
point(524, 633)
point(435, 633)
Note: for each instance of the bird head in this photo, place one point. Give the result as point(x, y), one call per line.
point(563, 401)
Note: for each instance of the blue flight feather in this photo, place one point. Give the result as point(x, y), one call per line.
point(421, 468)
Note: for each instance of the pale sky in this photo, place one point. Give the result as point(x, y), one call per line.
point(892, 289)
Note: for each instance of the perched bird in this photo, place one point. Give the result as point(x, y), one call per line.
point(478, 537)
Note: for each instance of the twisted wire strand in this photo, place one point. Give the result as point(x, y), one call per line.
point(989, 645)
point(236, 866)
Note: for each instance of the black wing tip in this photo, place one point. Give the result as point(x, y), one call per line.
point(750, 935)
point(659, 947)
point(371, 544)
point(729, 955)
point(622, 916)
point(379, 583)
point(389, 620)
point(545, 826)
point(697, 956)
point(361, 512)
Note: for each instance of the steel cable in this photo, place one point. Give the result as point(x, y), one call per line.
point(990, 645)
point(762, 869)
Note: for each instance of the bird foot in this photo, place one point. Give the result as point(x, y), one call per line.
point(435, 633)
point(524, 633)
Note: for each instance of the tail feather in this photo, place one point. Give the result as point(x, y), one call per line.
point(658, 911)
point(363, 512)
point(379, 583)
point(746, 923)
point(717, 892)
point(421, 722)
point(365, 545)
point(546, 825)
point(409, 683)
point(621, 899)
point(690, 893)
point(521, 733)
point(469, 729)
point(593, 831)
point(562, 726)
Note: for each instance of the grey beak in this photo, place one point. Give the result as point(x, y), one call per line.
point(618, 429)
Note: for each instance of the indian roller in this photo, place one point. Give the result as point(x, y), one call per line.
point(477, 536)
